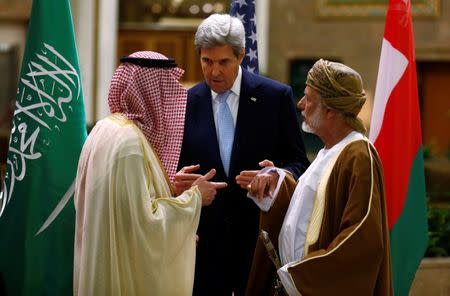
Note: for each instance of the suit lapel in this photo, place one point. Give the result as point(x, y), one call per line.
point(245, 117)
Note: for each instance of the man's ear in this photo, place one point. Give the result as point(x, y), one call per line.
point(241, 55)
point(330, 113)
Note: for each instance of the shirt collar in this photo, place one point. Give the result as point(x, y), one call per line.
point(235, 88)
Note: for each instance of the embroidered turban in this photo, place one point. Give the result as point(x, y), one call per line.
point(341, 89)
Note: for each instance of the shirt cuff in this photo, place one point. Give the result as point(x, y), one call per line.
point(281, 176)
point(266, 202)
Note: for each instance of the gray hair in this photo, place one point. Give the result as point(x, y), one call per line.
point(221, 29)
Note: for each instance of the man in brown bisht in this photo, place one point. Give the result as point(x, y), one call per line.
point(331, 226)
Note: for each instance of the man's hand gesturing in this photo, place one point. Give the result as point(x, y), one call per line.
point(208, 189)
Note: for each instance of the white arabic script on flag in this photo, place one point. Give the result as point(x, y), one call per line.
point(43, 98)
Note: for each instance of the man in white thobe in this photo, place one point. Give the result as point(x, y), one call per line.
point(133, 237)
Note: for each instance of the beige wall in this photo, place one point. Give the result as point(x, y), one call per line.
point(296, 31)
point(13, 33)
point(432, 278)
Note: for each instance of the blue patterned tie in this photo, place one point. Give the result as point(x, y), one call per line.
point(225, 126)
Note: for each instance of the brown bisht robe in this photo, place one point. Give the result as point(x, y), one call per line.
point(351, 255)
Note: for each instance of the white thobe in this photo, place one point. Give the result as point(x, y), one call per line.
point(132, 237)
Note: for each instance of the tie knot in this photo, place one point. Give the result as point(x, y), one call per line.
point(222, 97)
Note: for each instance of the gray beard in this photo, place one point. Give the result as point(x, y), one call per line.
point(315, 120)
point(307, 128)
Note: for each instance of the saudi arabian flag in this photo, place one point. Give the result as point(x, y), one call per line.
point(395, 131)
point(37, 216)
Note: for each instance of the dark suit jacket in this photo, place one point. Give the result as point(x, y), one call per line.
point(266, 128)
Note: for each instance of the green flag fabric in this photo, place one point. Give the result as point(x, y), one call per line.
point(396, 132)
point(37, 216)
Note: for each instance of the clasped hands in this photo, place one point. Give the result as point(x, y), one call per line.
point(258, 185)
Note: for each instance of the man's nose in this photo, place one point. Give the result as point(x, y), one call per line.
point(215, 70)
point(300, 104)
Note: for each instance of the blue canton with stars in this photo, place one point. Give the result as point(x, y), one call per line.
point(245, 11)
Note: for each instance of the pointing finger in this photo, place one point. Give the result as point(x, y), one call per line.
point(219, 185)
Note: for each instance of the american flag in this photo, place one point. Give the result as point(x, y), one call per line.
point(245, 11)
